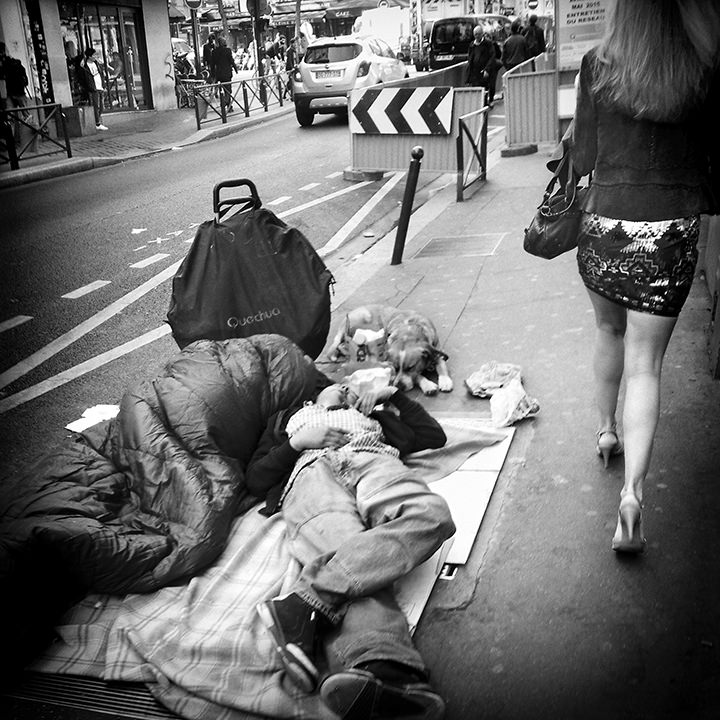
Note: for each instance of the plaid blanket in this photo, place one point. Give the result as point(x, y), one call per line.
point(200, 647)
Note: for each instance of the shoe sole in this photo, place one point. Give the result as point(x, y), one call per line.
point(299, 667)
point(354, 695)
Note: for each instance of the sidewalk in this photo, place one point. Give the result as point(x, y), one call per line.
point(129, 135)
point(546, 621)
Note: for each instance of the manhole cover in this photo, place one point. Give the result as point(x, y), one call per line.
point(461, 245)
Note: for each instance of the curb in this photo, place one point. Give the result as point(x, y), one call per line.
point(60, 168)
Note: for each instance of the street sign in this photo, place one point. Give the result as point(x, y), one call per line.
point(532, 4)
point(402, 111)
point(193, 4)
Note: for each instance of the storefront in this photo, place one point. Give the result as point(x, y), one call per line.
point(117, 34)
point(131, 39)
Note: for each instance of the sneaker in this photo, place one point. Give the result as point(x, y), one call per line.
point(293, 625)
point(359, 695)
point(100, 127)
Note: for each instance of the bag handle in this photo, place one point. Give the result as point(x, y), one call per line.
point(571, 187)
point(222, 207)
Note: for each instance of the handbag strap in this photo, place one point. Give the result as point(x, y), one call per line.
point(571, 185)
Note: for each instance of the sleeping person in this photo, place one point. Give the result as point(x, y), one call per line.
point(357, 520)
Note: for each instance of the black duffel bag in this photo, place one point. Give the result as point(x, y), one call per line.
point(249, 273)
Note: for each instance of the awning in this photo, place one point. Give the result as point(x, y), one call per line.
point(282, 19)
point(176, 14)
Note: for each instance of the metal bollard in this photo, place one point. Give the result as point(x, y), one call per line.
point(406, 209)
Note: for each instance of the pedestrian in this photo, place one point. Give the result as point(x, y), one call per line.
point(357, 519)
point(207, 51)
point(644, 125)
point(13, 81)
point(482, 63)
point(91, 78)
point(534, 37)
point(223, 67)
point(515, 49)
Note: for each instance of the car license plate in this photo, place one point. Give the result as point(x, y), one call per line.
point(444, 57)
point(324, 74)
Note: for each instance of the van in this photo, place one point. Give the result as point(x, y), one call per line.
point(450, 38)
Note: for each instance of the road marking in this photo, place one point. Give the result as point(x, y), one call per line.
point(280, 200)
point(142, 247)
point(496, 130)
point(14, 322)
point(73, 373)
point(85, 290)
point(150, 260)
point(39, 357)
point(309, 186)
point(341, 235)
point(324, 198)
point(333, 175)
point(137, 231)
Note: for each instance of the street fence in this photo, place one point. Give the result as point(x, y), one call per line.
point(31, 132)
point(472, 130)
point(531, 107)
point(214, 102)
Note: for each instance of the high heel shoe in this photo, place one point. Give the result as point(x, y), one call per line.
point(629, 536)
point(608, 444)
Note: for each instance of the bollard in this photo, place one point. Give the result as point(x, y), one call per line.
point(416, 153)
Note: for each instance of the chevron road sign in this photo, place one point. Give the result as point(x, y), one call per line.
point(402, 111)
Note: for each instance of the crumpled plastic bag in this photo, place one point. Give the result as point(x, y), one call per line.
point(511, 403)
point(490, 377)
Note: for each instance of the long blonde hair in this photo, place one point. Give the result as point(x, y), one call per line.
point(657, 56)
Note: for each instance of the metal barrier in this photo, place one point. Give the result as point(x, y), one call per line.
point(18, 121)
point(478, 147)
point(530, 93)
point(215, 101)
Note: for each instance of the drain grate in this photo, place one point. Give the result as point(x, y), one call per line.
point(117, 700)
point(461, 245)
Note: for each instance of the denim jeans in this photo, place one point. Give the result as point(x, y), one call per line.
point(357, 522)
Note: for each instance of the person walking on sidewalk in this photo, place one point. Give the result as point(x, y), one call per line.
point(223, 67)
point(644, 124)
point(91, 79)
point(482, 63)
point(534, 37)
point(515, 49)
point(358, 519)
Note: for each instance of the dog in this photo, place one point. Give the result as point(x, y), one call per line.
point(406, 339)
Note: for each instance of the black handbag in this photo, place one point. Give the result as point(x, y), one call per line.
point(554, 228)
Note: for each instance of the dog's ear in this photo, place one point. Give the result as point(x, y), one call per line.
point(438, 354)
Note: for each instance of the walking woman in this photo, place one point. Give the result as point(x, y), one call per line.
point(644, 124)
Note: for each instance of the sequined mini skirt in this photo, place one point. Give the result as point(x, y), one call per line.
point(645, 266)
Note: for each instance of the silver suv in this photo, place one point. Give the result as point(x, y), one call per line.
point(332, 67)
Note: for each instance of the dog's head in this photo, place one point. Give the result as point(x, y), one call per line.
point(411, 356)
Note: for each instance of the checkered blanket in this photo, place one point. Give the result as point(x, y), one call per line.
point(200, 647)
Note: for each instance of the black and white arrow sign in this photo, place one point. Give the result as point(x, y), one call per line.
point(402, 111)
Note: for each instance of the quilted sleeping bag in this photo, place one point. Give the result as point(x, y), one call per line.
point(147, 498)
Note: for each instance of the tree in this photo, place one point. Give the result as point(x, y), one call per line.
point(223, 18)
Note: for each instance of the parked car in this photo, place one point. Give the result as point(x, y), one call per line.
point(332, 67)
point(450, 38)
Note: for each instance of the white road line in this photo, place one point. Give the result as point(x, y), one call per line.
point(324, 198)
point(85, 290)
point(54, 347)
point(341, 235)
point(142, 247)
point(137, 231)
point(309, 186)
point(66, 376)
point(150, 260)
point(333, 175)
point(14, 322)
point(280, 200)
point(496, 130)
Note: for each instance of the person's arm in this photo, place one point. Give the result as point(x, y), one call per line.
point(276, 454)
point(412, 429)
point(584, 133)
point(273, 459)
